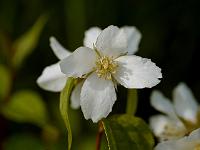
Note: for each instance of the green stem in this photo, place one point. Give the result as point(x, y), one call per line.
point(132, 100)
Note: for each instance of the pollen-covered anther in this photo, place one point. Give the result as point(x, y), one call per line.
point(105, 67)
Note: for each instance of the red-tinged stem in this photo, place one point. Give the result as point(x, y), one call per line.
point(99, 136)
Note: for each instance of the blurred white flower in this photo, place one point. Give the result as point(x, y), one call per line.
point(106, 60)
point(191, 142)
point(52, 79)
point(180, 117)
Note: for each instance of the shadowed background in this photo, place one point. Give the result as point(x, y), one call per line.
point(170, 37)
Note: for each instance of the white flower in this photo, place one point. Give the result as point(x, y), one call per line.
point(181, 116)
point(191, 142)
point(105, 62)
point(52, 79)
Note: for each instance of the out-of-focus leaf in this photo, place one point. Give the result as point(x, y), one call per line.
point(127, 132)
point(5, 81)
point(58, 145)
point(132, 100)
point(64, 106)
point(24, 45)
point(26, 106)
point(86, 143)
point(23, 142)
point(50, 133)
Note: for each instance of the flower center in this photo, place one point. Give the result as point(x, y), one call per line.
point(197, 147)
point(105, 67)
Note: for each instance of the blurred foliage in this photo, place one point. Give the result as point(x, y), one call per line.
point(5, 81)
point(25, 44)
point(170, 31)
point(26, 106)
point(23, 142)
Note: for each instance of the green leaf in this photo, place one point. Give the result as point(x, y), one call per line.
point(64, 105)
point(126, 132)
point(24, 45)
point(132, 100)
point(5, 81)
point(26, 106)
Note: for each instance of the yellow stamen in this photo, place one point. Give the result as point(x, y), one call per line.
point(105, 67)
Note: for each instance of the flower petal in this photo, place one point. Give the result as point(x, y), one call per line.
point(58, 49)
point(172, 145)
point(162, 104)
point(137, 72)
point(91, 36)
point(133, 38)
point(112, 42)
point(75, 96)
point(195, 135)
point(79, 63)
point(185, 104)
point(52, 79)
point(190, 142)
point(97, 97)
point(166, 128)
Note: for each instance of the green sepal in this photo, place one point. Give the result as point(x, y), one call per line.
point(64, 107)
